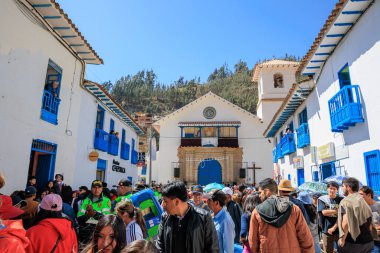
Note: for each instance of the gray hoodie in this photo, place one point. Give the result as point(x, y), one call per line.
point(275, 210)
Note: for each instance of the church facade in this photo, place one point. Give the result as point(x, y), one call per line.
point(212, 140)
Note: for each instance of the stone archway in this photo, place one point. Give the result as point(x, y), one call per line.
point(209, 171)
point(230, 160)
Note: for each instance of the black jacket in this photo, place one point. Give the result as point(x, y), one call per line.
point(201, 234)
point(235, 212)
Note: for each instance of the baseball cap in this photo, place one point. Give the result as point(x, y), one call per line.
point(123, 182)
point(30, 190)
point(51, 202)
point(228, 191)
point(197, 189)
point(217, 195)
point(7, 210)
point(83, 188)
point(96, 183)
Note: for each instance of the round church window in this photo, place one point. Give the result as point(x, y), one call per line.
point(209, 112)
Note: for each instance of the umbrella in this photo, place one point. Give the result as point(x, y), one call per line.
point(313, 187)
point(213, 186)
point(338, 179)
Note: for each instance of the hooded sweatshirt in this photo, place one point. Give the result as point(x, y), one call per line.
point(45, 234)
point(275, 210)
point(278, 226)
point(12, 237)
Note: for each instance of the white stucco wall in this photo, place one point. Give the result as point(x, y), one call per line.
point(361, 50)
point(255, 147)
point(25, 49)
point(266, 82)
point(85, 170)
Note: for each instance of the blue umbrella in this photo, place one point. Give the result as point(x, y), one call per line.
point(338, 179)
point(213, 186)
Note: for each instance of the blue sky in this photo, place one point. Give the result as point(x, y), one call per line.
point(191, 38)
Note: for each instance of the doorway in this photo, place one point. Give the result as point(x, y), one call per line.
point(42, 162)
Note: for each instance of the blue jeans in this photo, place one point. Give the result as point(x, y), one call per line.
point(376, 248)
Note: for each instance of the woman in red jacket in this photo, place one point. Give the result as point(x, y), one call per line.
point(51, 232)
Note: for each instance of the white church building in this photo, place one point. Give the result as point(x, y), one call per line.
point(52, 121)
point(212, 140)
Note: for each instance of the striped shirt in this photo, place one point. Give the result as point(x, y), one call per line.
point(134, 232)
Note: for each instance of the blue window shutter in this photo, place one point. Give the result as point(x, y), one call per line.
point(123, 136)
point(102, 164)
point(372, 168)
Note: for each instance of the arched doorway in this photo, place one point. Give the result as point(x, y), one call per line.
point(209, 171)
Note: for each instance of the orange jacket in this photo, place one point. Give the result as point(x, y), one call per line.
point(293, 237)
point(13, 237)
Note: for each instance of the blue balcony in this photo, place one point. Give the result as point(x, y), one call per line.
point(124, 152)
point(303, 137)
point(278, 151)
point(113, 144)
point(134, 157)
point(345, 108)
point(288, 145)
point(101, 140)
point(274, 153)
point(49, 110)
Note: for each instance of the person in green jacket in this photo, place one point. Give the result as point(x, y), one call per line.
point(96, 201)
point(124, 191)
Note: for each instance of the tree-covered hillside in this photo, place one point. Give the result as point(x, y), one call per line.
point(143, 93)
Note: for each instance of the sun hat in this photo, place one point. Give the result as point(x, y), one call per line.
point(286, 186)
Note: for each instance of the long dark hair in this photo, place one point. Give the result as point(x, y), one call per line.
point(46, 214)
point(250, 203)
point(118, 227)
point(133, 212)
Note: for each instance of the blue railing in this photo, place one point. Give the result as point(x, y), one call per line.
point(49, 110)
point(278, 151)
point(124, 152)
point(274, 153)
point(303, 137)
point(113, 144)
point(288, 145)
point(101, 140)
point(345, 108)
point(134, 157)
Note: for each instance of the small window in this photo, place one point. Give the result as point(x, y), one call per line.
point(123, 136)
point(112, 126)
point(191, 132)
point(344, 76)
point(302, 117)
point(278, 80)
point(99, 118)
point(50, 97)
point(227, 132)
point(209, 132)
point(101, 170)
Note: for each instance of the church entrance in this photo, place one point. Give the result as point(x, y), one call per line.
point(209, 171)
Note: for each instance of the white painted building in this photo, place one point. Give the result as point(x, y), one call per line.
point(47, 115)
point(211, 139)
point(342, 110)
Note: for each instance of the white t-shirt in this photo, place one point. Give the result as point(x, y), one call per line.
point(134, 232)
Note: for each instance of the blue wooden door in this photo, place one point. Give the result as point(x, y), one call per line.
point(43, 170)
point(209, 171)
point(372, 165)
point(300, 176)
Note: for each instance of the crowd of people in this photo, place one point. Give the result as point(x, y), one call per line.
point(272, 218)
